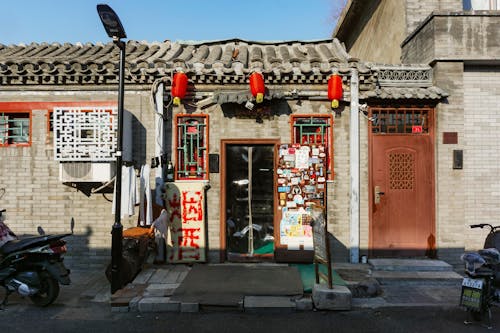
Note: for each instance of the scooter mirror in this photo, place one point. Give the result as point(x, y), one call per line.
point(40, 230)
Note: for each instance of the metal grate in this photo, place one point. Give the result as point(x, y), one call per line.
point(84, 134)
point(14, 128)
point(311, 130)
point(191, 147)
point(400, 121)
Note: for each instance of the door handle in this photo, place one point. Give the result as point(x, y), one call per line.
point(376, 195)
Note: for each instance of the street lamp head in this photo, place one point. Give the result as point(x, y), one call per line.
point(111, 22)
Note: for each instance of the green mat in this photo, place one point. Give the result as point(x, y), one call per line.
point(265, 249)
point(308, 276)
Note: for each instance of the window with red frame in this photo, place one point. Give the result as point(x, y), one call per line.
point(314, 130)
point(15, 129)
point(192, 147)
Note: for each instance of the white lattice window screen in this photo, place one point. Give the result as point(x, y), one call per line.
point(85, 134)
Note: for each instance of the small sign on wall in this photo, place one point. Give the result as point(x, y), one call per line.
point(416, 129)
point(450, 138)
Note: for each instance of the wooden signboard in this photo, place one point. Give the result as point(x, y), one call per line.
point(320, 244)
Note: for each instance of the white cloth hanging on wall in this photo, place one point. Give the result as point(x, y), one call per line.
point(146, 208)
point(128, 192)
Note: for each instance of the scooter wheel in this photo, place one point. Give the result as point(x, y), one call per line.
point(49, 290)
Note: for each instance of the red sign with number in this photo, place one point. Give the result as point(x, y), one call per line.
point(416, 129)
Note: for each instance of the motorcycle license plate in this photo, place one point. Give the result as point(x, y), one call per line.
point(472, 293)
point(472, 283)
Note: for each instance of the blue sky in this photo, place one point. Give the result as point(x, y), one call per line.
point(26, 21)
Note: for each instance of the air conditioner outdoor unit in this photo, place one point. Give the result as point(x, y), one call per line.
point(81, 172)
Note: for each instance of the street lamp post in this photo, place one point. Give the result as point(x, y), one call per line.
point(115, 30)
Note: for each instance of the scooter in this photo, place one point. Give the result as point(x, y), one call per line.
point(481, 286)
point(33, 266)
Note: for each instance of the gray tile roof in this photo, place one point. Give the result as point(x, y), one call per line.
point(210, 62)
point(206, 62)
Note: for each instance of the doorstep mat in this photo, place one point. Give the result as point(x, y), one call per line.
point(228, 284)
point(308, 276)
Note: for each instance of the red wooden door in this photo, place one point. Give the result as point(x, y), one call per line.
point(402, 195)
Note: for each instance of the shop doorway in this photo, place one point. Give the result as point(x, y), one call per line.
point(402, 183)
point(248, 200)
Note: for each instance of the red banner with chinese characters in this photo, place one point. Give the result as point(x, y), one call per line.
point(185, 202)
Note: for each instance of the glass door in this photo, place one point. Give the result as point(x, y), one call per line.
point(249, 200)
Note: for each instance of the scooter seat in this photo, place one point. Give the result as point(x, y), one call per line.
point(481, 272)
point(21, 244)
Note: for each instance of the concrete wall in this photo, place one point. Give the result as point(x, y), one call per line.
point(379, 39)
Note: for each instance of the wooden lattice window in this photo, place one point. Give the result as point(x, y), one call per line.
point(315, 130)
point(15, 129)
point(401, 171)
point(192, 147)
point(400, 120)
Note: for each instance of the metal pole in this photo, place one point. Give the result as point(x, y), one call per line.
point(354, 167)
point(117, 231)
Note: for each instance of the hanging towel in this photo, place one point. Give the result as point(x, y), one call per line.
point(161, 223)
point(128, 194)
point(145, 204)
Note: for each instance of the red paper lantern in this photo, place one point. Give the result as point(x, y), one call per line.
point(257, 87)
point(179, 87)
point(335, 90)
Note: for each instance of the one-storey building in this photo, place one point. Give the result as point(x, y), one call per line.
point(262, 132)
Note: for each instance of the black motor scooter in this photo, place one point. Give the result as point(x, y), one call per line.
point(481, 286)
point(33, 266)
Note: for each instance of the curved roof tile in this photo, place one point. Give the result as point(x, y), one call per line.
point(237, 57)
point(210, 62)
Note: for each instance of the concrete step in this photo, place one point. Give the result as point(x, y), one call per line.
point(422, 277)
point(410, 265)
point(268, 304)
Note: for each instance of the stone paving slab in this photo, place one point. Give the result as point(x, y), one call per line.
point(154, 297)
point(409, 265)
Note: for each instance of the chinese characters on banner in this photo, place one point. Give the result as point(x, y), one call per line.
point(185, 202)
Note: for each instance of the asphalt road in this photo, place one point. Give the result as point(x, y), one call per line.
point(81, 315)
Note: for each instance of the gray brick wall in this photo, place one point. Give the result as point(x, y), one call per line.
point(451, 192)
point(35, 196)
point(418, 10)
point(482, 152)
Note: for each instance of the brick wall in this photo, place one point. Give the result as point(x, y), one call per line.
point(482, 151)
point(35, 196)
point(418, 10)
point(451, 191)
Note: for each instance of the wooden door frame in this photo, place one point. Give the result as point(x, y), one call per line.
point(431, 134)
point(223, 214)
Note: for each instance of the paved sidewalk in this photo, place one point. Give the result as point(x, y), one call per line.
point(151, 290)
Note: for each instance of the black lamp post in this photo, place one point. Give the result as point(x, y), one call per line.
point(115, 30)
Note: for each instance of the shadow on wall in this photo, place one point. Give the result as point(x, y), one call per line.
point(265, 110)
point(138, 142)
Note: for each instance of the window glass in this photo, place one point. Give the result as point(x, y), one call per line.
point(14, 128)
point(191, 147)
point(480, 4)
point(398, 121)
point(314, 131)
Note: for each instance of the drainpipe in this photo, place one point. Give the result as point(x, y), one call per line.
point(354, 168)
point(159, 182)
